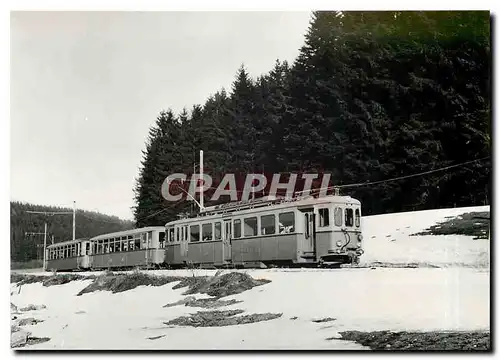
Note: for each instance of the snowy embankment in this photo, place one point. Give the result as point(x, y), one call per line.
point(387, 239)
point(316, 305)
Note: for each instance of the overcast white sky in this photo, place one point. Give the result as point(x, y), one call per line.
point(86, 87)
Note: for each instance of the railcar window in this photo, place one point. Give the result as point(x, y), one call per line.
point(131, 246)
point(161, 238)
point(287, 222)
point(206, 230)
point(137, 243)
point(357, 218)
point(170, 235)
point(337, 214)
point(177, 234)
point(267, 224)
point(237, 228)
point(87, 249)
point(250, 226)
point(349, 217)
point(125, 245)
point(185, 233)
point(324, 217)
point(129, 237)
point(218, 231)
point(194, 233)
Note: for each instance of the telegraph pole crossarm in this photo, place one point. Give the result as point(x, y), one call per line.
point(51, 213)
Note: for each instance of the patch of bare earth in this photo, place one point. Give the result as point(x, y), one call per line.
point(218, 318)
point(324, 320)
point(218, 286)
point(203, 303)
point(418, 341)
point(475, 224)
point(20, 337)
point(122, 282)
point(47, 280)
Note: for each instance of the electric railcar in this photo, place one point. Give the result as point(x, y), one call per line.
point(131, 248)
point(301, 231)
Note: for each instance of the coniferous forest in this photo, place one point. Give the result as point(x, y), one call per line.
point(25, 247)
point(371, 96)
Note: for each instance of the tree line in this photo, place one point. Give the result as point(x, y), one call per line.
point(371, 96)
point(25, 247)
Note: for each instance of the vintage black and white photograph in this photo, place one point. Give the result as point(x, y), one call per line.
point(250, 180)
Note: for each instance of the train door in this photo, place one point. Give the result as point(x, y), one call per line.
point(226, 241)
point(309, 221)
point(84, 254)
point(184, 243)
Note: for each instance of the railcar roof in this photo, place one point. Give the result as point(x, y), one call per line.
point(69, 242)
point(128, 232)
point(329, 199)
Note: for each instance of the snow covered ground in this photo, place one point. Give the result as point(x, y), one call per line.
point(452, 297)
point(386, 239)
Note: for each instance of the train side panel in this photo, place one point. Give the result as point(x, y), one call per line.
point(66, 264)
point(127, 259)
point(205, 252)
point(268, 248)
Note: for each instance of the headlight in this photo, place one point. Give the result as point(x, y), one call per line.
point(339, 243)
